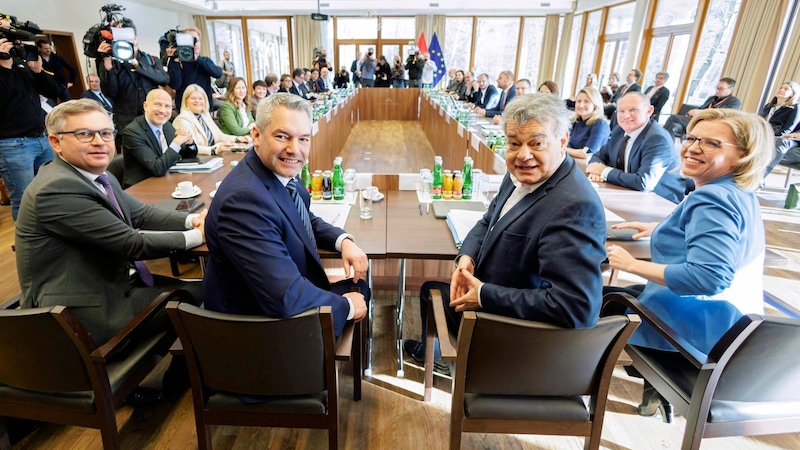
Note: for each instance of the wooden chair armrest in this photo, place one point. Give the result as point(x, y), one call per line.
point(344, 345)
point(690, 352)
point(447, 343)
point(176, 349)
point(12, 303)
point(120, 340)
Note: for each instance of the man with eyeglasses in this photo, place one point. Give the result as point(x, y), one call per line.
point(78, 239)
point(639, 155)
point(152, 145)
point(723, 98)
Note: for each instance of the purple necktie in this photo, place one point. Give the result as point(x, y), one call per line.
point(141, 268)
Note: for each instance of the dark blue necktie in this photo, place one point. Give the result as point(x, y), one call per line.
point(301, 209)
point(144, 272)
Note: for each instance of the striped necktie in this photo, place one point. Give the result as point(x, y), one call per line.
point(163, 140)
point(206, 129)
point(301, 209)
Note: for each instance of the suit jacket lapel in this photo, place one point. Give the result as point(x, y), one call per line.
point(102, 197)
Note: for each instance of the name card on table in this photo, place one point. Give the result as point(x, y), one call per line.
point(441, 110)
point(447, 118)
point(475, 142)
point(314, 128)
point(461, 130)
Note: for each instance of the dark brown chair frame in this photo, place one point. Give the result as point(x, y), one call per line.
point(754, 365)
point(47, 353)
point(304, 342)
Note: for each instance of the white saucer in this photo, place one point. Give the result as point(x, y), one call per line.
point(195, 192)
point(212, 193)
point(378, 196)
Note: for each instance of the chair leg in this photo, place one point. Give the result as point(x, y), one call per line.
point(110, 436)
point(173, 264)
point(203, 435)
point(5, 440)
point(355, 358)
point(788, 177)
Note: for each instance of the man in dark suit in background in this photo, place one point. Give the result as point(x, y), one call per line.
point(676, 124)
point(530, 256)
point(632, 85)
point(77, 234)
point(151, 143)
point(57, 65)
point(94, 92)
point(505, 81)
point(263, 240)
point(639, 155)
point(486, 97)
point(658, 94)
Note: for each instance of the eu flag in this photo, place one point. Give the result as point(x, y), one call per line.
point(438, 57)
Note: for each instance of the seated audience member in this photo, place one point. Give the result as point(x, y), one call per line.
point(234, 117)
point(608, 90)
point(505, 81)
point(298, 86)
point(200, 71)
point(260, 92)
point(787, 150)
point(658, 94)
point(342, 78)
point(782, 111)
point(383, 73)
point(513, 261)
point(262, 238)
point(195, 117)
point(590, 128)
point(707, 257)
point(591, 81)
point(523, 86)
point(286, 84)
point(639, 155)
point(631, 85)
point(94, 92)
point(458, 85)
point(78, 233)
point(486, 97)
point(323, 87)
point(313, 80)
point(676, 124)
point(272, 83)
point(151, 143)
point(451, 79)
point(548, 87)
point(470, 88)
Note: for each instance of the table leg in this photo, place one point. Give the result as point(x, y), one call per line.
point(370, 319)
point(401, 301)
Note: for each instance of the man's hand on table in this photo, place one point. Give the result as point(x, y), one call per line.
point(355, 258)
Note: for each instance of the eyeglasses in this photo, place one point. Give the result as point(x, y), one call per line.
point(705, 144)
point(87, 135)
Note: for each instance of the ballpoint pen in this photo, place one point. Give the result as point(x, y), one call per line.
point(420, 209)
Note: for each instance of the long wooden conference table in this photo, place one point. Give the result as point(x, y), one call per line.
point(397, 230)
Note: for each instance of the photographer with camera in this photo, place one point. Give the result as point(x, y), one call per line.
point(415, 64)
point(186, 66)
point(23, 144)
point(341, 79)
point(320, 61)
point(127, 81)
point(367, 67)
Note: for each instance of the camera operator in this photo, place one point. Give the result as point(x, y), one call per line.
point(320, 61)
point(200, 71)
point(23, 144)
point(414, 64)
point(127, 83)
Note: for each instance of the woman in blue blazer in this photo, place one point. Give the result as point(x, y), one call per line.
point(234, 116)
point(782, 111)
point(590, 129)
point(707, 257)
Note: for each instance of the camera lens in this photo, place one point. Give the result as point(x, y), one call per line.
point(185, 53)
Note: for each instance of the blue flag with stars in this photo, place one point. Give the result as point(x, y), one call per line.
point(438, 57)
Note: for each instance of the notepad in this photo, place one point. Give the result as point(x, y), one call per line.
point(209, 166)
point(442, 207)
point(461, 222)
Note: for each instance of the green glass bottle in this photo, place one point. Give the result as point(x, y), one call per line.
point(338, 179)
point(305, 177)
point(436, 188)
point(466, 190)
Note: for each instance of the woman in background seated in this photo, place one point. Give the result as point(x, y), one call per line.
point(259, 94)
point(782, 111)
point(610, 89)
point(342, 78)
point(286, 83)
point(234, 117)
point(195, 117)
point(707, 257)
point(590, 129)
point(548, 87)
point(458, 85)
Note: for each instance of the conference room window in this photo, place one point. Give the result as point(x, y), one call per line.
point(269, 47)
point(457, 42)
point(496, 41)
point(713, 44)
point(615, 42)
point(226, 34)
point(395, 35)
point(531, 51)
point(586, 63)
point(572, 56)
point(357, 28)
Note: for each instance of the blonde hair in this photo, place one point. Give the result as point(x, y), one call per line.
point(191, 89)
point(754, 137)
point(597, 101)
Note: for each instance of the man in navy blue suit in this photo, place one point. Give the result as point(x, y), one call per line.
point(536, 253)
point(263, 240)
point(640, 154)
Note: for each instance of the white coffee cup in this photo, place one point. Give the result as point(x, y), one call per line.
point(365, 202)
point(185, 188)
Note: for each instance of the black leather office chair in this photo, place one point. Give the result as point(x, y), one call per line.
point(747, 385)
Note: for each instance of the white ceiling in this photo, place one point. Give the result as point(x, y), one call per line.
point(364, 7)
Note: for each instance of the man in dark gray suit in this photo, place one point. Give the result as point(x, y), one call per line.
point(151, 144)
point(95, 93)
point(77, 234)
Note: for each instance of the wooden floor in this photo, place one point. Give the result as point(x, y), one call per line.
point(390, 416)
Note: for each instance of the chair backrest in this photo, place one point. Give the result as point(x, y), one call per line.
point(764, 366)
point(117, 167)
point(256, 355)
point(685, 108)
point(519, 357)
point(44, 349)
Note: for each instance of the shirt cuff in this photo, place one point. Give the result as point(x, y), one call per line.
point(175, 148)
point(480, 288)
point(605, 172)
point(188, 222)
point(351, 312)
point(193, 238)
point(338, 247)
